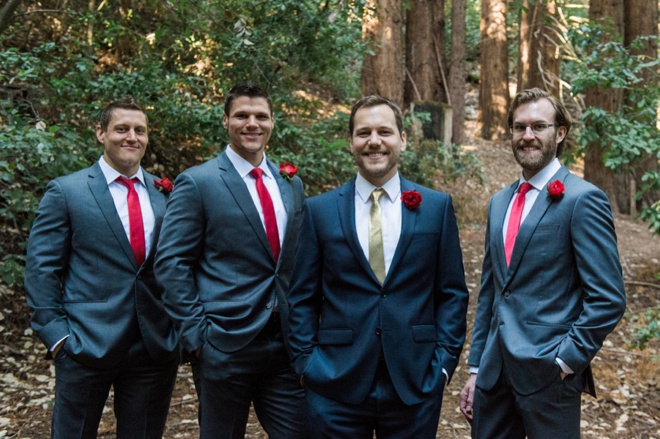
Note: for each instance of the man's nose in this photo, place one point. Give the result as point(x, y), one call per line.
point(374, 139)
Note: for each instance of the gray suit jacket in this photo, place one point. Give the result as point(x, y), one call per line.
point(214, 262)
point(561, 295)
point(81, 277)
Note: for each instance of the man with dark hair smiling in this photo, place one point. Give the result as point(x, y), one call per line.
point(551, 288)
point(224, 263)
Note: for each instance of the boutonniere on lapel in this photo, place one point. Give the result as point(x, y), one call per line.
point(164, 185)
point(556, 189)
point(411, 199)
point(288, 170)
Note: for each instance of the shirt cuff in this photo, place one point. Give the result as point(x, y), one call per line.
point(564, 366)
point(58, 343)
point(474, 369)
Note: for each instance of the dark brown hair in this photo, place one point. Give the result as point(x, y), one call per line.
point(373, 101)
point(127, 102)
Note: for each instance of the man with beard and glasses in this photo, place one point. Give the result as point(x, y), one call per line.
point(551, 287)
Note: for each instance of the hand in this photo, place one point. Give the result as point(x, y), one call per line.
point(467, 397)
point(198, 352)
point(563, 375)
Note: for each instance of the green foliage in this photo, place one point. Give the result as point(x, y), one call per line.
point(631, 133)
point(647, 328)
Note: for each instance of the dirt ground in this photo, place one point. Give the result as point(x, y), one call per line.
point(628, 402)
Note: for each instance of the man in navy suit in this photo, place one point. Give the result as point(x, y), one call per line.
point(378, 296)
point(224, 262)
point(89, 279)
point(551, 287)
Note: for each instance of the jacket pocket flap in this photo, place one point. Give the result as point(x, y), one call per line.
point(424, 333)
point(335, 336)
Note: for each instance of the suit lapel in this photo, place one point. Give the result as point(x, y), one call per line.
point(408, 220)
point(158, 204)
point(99, 188)
point(286, 192)
point(346, 211)
point(498, 214)
point(241, 194)
point(527, 228)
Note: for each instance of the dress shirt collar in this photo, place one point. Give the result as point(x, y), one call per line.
point(111, 173)
point(364, 189)
point(541, 179)
point(243, 167)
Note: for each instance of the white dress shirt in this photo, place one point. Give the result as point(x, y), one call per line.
point(119, 194)
point(243, 167)
point(390, 205)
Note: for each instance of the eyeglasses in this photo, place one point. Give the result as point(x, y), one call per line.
point(537, 128)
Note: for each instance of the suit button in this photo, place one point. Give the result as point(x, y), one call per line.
point(507, 293)
point(378, 331)
point(269, 306)
point(383, 295)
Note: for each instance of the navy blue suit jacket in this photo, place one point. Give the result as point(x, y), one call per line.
point(341, 318)
point(560, 296)
point(81, 277)
point(220, 281)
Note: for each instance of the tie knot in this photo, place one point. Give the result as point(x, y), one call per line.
point(256, 173)
point(128, 182)
point(375, 195)
point(524, 188)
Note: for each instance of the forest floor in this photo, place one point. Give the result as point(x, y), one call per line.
point(627, 380)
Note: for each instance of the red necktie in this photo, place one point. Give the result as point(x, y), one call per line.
point(134, 219)
point(269, 213)
point(514, 220)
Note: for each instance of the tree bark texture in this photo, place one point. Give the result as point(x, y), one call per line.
point(425, 43)
point(457, 70)
point(610, 100)
point(493, 84)
point(538, 60)
point(382, 73)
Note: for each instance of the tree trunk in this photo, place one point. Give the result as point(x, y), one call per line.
point(424, 42)
point(7, 14)
point(382, 73)
point(457, 70)
point(609, 100)
point(493, 84)
point(538, 60)
point(641, 19)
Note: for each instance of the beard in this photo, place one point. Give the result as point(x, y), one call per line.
point(545, 152)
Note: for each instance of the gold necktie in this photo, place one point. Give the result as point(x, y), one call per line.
point(376, 250)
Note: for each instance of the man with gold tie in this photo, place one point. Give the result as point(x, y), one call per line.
point(378, 297)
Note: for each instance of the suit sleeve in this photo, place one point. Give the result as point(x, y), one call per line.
point(599, 269)
point(180, 244)
point(484, 312)
point(451, 294)
point(305, 293)
point(47, 261)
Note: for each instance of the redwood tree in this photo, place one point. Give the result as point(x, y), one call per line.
point(457, 70)
point(538, 60)
point(610, 100)
point(493, 84)
point(382, 72)
point(425, 66)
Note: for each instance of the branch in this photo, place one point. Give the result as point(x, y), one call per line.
point(7, 14)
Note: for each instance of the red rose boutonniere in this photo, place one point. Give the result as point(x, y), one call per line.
point(164, 185)
point(411, 199)
point(288, 170)
point(556, 189)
